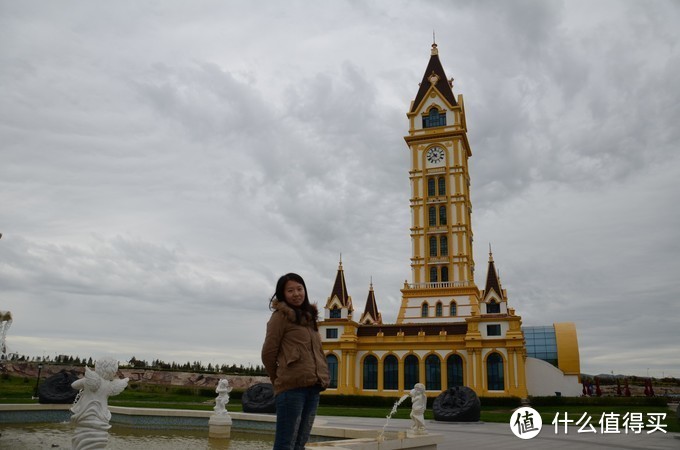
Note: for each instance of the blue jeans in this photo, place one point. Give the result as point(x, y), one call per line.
point(295, 412)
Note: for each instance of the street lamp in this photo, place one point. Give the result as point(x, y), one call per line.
point(37, 381)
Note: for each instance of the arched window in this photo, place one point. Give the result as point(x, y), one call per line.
point(411, 376)
point(442, 215)
point(445, 274)
point(494, 372)
point(433, 274)
point(335, 313)
point(332, 362)
point(438, 309)
point(454, 371)
point(433, 373)
point(433, 216)
point(441, 185)
point(493, 308)
point(391, 373)
point(443, 246)
point(433, 246)
point(424, 310)
point(370, 372)
point(430, 187)
point(453, 310)
point(434, 118)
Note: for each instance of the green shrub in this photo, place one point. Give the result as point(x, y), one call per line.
point(183, 391)
point(509, 402)
point(598, 401)
point(357, 400)
point(236, 395)
point(205, 392)
point(388, 402)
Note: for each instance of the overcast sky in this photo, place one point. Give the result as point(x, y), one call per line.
point(163, 163)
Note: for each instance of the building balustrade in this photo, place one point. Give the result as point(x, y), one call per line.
point(441, 284)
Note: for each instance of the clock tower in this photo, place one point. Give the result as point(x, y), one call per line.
point(442, 266)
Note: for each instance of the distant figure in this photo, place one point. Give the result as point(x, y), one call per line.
point(223, 389)
point(90, 410)
point(418, 404)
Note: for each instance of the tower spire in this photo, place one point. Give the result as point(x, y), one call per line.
point(371, 315)
point(493, 281)
point(434, 76)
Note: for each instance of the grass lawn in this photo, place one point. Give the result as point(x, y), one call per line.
point(19, 390)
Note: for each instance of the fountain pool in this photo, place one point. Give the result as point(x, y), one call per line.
point(33, 436)
point(34, 426)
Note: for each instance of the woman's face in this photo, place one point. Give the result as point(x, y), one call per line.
point(294, 292)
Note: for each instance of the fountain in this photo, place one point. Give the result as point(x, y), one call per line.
point(90, 410)
point(381, 436)
point(418, 404)
point(27, 426)
point(5, 323)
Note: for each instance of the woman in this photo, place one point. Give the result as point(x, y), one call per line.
point(294, 361)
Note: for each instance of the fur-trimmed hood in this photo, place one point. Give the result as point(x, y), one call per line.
point(307, 318)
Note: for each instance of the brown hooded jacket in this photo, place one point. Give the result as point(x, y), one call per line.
point(292, 353)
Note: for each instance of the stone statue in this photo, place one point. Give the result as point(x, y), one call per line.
point(91, 413)
point(58, 388)
point(457, 404)
point(219, 425)
point(418, 404)
point(223, 389)
point(259, 398)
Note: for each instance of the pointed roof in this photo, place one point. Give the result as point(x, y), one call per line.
point(371, 307)
point(442, 84)
point(492, 280)
point(340, 289)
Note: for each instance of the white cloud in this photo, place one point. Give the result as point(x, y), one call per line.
point(162, 165)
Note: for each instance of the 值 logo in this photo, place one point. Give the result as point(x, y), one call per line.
point(526, 423)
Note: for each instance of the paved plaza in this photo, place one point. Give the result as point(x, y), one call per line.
point(459, 436)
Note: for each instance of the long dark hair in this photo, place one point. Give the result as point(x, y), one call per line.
point(305, 308)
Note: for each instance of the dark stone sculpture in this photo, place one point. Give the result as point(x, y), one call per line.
point(458, 404)
point(57, 388)
point(259, 398)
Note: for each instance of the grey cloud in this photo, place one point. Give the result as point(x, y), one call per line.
point(167, 161)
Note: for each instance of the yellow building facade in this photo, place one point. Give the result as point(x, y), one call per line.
point(448, 332)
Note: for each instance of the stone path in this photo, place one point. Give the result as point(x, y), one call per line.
point(459, 436)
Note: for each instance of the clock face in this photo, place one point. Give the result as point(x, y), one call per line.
point(435, 155)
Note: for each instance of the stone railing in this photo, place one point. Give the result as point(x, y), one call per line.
point(442, 284)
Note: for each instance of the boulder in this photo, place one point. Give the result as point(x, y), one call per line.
point(259, 398)
point(457, 404)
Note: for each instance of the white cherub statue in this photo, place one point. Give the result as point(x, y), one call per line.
point(418, 404)
point(223, 389)
point(90, 410)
